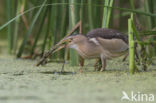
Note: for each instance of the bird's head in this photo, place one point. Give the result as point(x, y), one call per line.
point(73, 39)
point(67, 41)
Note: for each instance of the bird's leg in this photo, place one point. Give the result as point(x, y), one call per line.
point(125, 57)
point(103, 60)
point(62, 70)
point(81, 63)
point(97, 65)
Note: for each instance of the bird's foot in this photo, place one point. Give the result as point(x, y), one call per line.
point(97, 68)
point(81, 71)
point(102, 69)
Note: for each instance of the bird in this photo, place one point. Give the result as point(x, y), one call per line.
point(103, 43)
point(100, 43)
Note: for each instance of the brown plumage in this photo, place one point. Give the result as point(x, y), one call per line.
point(111, 40)
point(99, 43)
point(107, 34)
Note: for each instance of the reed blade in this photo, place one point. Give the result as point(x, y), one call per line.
point(29, 31)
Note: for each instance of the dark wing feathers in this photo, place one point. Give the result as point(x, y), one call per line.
point(107, 34)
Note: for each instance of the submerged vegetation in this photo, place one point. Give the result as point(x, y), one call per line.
point(21, 81)
point(35, 26)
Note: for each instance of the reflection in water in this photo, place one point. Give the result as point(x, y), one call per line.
point(59, 73)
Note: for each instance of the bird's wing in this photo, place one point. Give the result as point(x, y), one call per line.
point(113, 45)
point(107, 34)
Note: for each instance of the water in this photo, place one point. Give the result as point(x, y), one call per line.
point(22, 82)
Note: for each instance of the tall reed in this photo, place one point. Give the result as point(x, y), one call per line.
point(131, 46)
point(38, 33)
point(74, 18)
point(10, 35)
point(107, 13)
point(20, 6)
point(22, 46)
point(47, 31)
point(90, 14)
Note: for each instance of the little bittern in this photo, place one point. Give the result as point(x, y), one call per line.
point(99, 43)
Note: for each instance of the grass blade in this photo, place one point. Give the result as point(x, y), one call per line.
point(47, 31)
point(39, 31)
point(10, 36)
point(19, 6)
point(29, 31)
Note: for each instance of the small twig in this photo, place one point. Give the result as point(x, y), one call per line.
point(54, 49)
point(45, 56)
point(76, 27)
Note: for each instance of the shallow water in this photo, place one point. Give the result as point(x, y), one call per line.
point(22, 82)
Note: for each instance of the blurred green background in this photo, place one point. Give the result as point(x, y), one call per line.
point(34, 26)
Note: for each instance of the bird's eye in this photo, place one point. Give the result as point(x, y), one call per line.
point(71, 39)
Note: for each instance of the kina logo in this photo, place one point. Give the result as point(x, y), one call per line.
point(137, 97)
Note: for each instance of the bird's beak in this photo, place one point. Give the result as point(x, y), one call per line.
point(67, 40)
point(63, 43)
